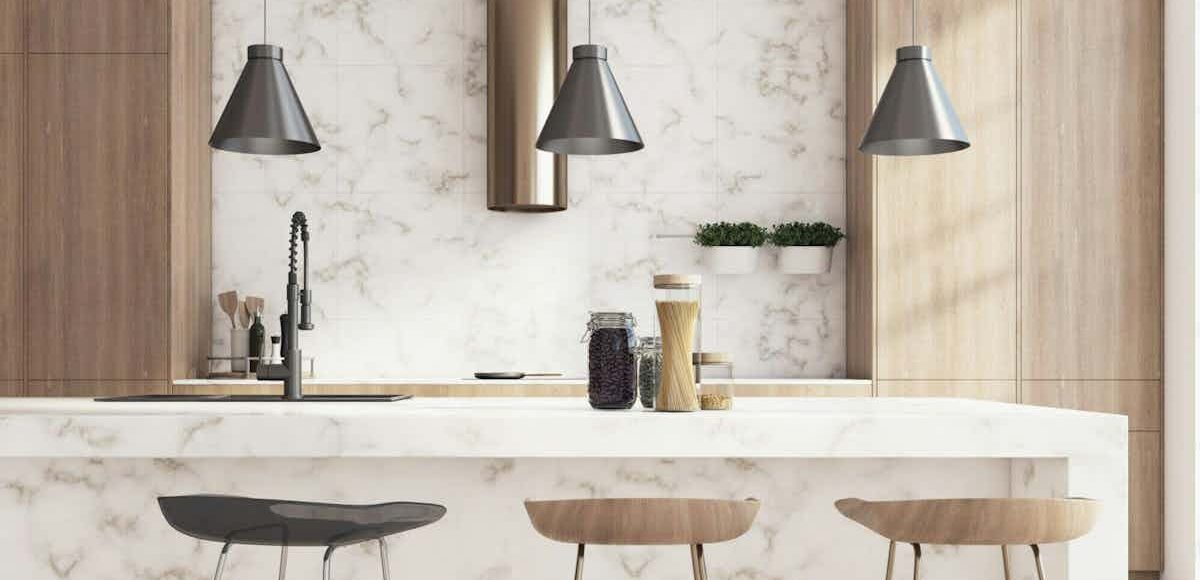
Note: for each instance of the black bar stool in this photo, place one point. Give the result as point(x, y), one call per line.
point(272, 522)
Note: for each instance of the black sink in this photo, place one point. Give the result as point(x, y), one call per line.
point(254, 398)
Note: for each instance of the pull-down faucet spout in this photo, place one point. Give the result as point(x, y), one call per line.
point(298, 317)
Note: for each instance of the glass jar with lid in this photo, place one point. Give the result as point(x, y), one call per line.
point(716, 380)
point(612, 364)
point(649, 369)
point(677, 306)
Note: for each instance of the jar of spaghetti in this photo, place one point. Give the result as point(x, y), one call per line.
point(612, 360)
point(677, 309)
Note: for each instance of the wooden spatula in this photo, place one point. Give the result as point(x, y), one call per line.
point(244, 314)
point(255, 305)
point(229, 305)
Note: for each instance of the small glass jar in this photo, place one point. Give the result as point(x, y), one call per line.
point(612, 364)
point(677, 306)
point(649, 369)
point(716, 380)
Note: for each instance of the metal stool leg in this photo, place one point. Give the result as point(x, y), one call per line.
point(916, 561)
point(327, 564)
point(579, 563)
point(1037, 559)
point(221, 561)
point(283, 562)
point(699, 568)
point(1007, 570)
point(891, 560)
point(383, 560)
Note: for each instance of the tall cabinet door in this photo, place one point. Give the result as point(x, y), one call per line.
point(12, 90)
point(98, 174)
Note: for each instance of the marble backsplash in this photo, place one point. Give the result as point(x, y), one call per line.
point(741, 106)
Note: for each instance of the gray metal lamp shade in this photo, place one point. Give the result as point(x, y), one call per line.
point(914, 116)
point(264, 115)
point(589, 117)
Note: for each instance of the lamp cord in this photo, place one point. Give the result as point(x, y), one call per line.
point(914, 21)
point(589, 20)
point(264, 21)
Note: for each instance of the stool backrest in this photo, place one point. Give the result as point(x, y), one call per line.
point(642, 522)
point(993, 522)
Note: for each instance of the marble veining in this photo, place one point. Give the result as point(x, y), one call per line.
point(741, 104)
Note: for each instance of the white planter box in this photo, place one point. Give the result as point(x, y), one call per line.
point(805, 259)
point(731, 259)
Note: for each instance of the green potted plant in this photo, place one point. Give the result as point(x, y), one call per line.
point(805, 247)
point(731, 248)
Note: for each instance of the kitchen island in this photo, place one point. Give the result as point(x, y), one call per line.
point(79, 480)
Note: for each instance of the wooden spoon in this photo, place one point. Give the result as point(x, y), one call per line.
point(255, 305)
point(229, 305)
point(244, 314)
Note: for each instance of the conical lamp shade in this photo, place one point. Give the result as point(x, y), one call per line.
point(589, 117)
point(914, 115)
point(264, 115)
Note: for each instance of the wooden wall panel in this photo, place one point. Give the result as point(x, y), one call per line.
point(946, 225)
point(1091, 192)
point(191, 188)
point(860, 192)
point(12, 119)
point(1141, 401)
point(116, 26)
point(1003, 391)
point(12, 26)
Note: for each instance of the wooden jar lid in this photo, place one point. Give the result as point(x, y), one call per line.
point(711, 358)
point(676, 281)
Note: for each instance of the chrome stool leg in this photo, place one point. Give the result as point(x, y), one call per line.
point(327, 564)
point(579, 563)
point(383, 560)
point(1007, 570)
point(283, 562)
point(916, 561)
point(1037, 559)
point(699, 568)
point(891, 559)
point(221, 561)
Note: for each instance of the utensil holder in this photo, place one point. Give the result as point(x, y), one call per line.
point(239, 349)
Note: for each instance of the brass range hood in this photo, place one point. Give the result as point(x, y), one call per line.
point(527, 62)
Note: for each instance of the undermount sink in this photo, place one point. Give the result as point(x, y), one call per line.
point(349, 398)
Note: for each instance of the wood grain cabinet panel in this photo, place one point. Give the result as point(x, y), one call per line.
point(1091, 192)
point(103, 250)
point(12, 26)
point(12, 340)
point(945, 238)
point(1003, 391)
point(1145, 501)
point(1141, 401)
point(117, 26)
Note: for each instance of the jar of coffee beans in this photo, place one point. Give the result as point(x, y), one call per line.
point(612, 360)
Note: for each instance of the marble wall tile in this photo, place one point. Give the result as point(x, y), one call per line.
point(740, 103)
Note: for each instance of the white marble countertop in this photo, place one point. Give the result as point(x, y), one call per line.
point(566, 381)
point(552, 427)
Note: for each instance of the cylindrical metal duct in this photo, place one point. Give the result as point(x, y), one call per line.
point(527, 61)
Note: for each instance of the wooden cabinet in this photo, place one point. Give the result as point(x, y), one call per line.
point(1028, 267)
point(114, 191)
point(12, 343)
point(1091, 190)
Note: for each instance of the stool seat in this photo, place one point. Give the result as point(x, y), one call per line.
point(975, 521)
point(273, 522)
point(642, 522)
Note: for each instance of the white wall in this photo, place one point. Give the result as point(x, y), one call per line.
point(741, 103)
point(1181, 286)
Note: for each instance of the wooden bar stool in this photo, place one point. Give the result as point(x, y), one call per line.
point(643, 522)
point(974, 522)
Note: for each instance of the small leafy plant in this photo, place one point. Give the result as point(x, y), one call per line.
point(805, 234)
point(730, 234)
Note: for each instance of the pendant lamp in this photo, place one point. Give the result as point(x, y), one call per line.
point(914, 115)
point(264, 115)
point(589, 115)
